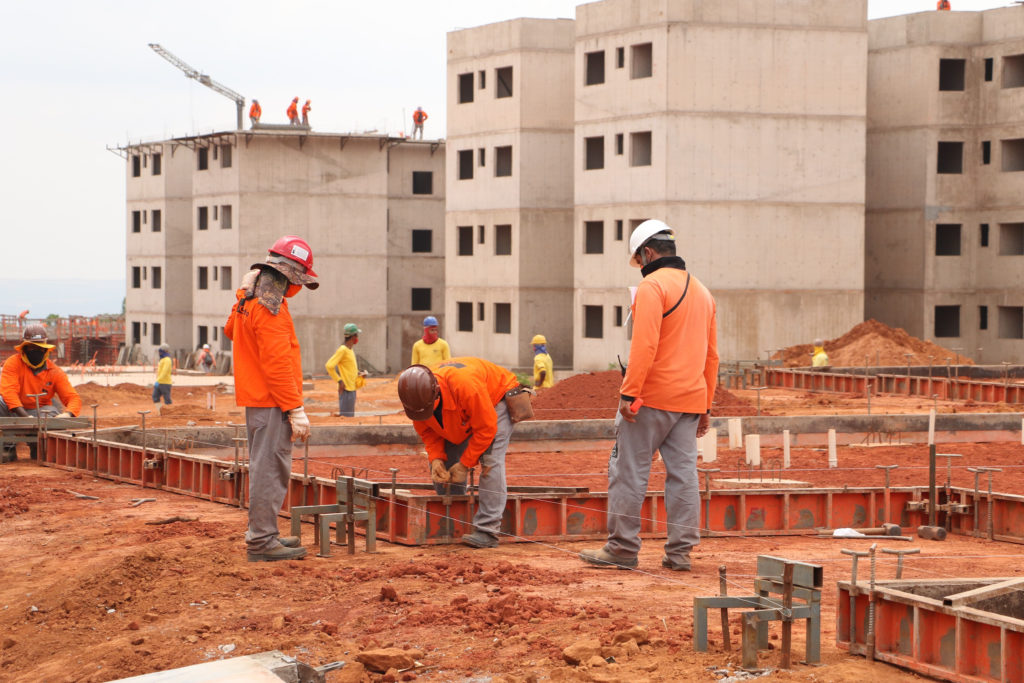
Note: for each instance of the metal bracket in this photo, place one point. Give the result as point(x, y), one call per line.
point(152, 464)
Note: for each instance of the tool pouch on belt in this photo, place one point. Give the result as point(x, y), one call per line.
point(518, 402)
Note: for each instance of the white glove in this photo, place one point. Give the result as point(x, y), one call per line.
point(64, 414)
point(300, 424)
point(249, 279)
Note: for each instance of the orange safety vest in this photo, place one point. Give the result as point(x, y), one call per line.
point(17, 381)
point(419, 116)
point(255, 111)
point(293, 111)
point(265, 355)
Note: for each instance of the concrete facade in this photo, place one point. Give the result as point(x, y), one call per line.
point(508, 228)
point(351, 197)
point(945, 158)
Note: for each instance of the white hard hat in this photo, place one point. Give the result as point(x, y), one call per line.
point(642, 234)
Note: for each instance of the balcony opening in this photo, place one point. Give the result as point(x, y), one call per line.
point(1013, 155)
point(947, 321)
point(1013, 71)
point(947, 239)
point(641, 61)
point(951, 74)
point(640, 149)
point(1011, 322)
point(1011, 239)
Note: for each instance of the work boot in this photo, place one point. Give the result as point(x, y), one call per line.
point(606, 560)
point(277, 553)
point(289, 541)
point(675, 566)
point(480, 539)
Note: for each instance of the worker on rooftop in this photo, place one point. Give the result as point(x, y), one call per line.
point(459, 408)
point(162, 385)
point(418, 118)
point(305, 113)
point(665, 402)
point(344, 370)
point(30, 371)
point(819, 358)
point(943, 5)
point(543, 368)
point(293, 112)
point(255, 112)
point(267, 364)
point(430, 349)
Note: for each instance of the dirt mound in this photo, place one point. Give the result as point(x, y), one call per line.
point(91, 392)
point(875, 343)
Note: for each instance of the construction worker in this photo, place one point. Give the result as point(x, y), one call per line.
point(344, 370)
point(943, 5)
point(305, 113)
point(205, 360)
point(543, 368)
point(458, 409)
point(430, 349)
point(418, 118)
point(268, 384)
point(293, 112)
point(664, 404)
point(255, 112)
point(162, 385)
point(819, 358)
point(30, 371)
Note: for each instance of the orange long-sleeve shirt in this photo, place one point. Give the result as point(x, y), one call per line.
point(17, 381)
point(293, 111)
point(470, 389)
point(265, 355)
point(673, 360)
point(255, 111)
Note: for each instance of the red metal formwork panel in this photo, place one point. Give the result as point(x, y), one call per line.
point(807, 511)
point(980, 651)
point(937, 639)
point(860, 610)
point(1013, 659)
point(894, 628)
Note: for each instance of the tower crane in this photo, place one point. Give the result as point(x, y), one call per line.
point(203, 78)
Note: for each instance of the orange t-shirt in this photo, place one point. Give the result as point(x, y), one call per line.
point(470, 389)
point(266, 358)
point(17, 381)
point(673, 358)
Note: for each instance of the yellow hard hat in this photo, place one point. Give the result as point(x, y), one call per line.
point(538, 339)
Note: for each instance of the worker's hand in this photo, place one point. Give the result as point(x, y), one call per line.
point(626, 410)
point(20, 412)
point(300, 424)
point(362, 373)
point(484, 470)
point(341, 385)
point(703, 424)
point(459, 473)
point(64, 414)
point(249, 279)
point(438, 472)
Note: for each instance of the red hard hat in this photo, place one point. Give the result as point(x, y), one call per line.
point(296, 249)
point(417, 390)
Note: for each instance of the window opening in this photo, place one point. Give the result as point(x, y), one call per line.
point(982, 317)
point(157, 224)
point(503, 161)
point(593, 68)
point(618, 316)
point(225, 156)
point(988, 69)
point(984, 234)
point(951, 74)
point(225, 278)
point(423, 182)
point(593, 322)
point(421, 299)
point(986, 151)
point(136, 221)
point(483, 79)
point(136, 277)
point(422, 241)
point(951, 157)
point(136, 166)
point(594, 237)
point(641, 61)
point(503, 318)
point(465, 164)
point(157, 280)
point(504, 78)
point(464, 314)
point(480, 311)
point(203, 275)
point(465, 88)
point(619, 143)
point(465, 240)
point(1013, 154)
point(203, 218)
point(156, 334)
point(947, 321)
point(947, 239)
point(593, 153)
point(1011, 239)
point(136, 333)
point(620, 57)
point(202, 158)
point(480, 234)
point(618, 231)
point(502, 240)
point(640, 149)
point(1013, 71)
point(157, 164)
point(225, 217)
point(203, 335)
point(481, 155)
point(1011, 322)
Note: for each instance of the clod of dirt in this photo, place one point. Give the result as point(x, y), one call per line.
point(388, 594)
point(391, 676)
point(382, 659)
point(637, 633)
point(8, 643)
point(582, 651)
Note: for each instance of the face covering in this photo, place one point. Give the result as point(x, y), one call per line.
point(429, 335)
point(292, 290)
point(540, 348)
point(35, 355)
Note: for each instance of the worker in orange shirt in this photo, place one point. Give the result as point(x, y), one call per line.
point(293, 112)
point(255, 112)
point(458, 408)
point(268, 384)
point(418, 117)
point(30, 371)
point(305, 113)
point(943, 5)
point(664, 404)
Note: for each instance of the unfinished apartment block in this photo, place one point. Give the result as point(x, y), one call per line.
point(203, 209)
point(945, 224)
point(509, 201)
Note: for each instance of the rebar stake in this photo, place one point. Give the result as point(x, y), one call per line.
point(899, 558)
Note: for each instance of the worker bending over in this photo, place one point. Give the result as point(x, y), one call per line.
point(268, 384)
point(458, 408)
point(344, 370)
point(819, 358)
point(543, 368)
point(305, 113)
point(673, 367)
point(255, 112)
point(418, 118)
point(30, 371)
point(430, 349)
point(293, 112)
point(162, 385)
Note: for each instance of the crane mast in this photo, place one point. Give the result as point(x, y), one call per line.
point(204, 79)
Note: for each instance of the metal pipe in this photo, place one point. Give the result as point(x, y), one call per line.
point(932, 512)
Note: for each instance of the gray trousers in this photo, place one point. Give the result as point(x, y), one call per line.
point(347, 403)
point(493, 491)
point(629, 468)
point(270, 467)
point(44, 410)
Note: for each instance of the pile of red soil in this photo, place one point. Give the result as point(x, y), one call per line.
point(875, 343)
point(595, 395)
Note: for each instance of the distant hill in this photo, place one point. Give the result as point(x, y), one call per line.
point(63, 297)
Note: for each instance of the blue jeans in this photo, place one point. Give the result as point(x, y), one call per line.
point(347, 403)
point(161, 391)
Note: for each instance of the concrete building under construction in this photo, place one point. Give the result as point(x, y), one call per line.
point(201, 210)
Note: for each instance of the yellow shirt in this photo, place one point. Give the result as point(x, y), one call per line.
point(342, 368)
point(430, 354)
point(542, 363)
point(820, 358)
point(163, 370)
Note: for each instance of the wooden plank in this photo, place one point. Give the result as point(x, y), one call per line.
point(990, 591)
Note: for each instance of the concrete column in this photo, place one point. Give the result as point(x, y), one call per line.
point(754, 450)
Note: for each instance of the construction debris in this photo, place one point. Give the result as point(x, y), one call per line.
point(172, 520)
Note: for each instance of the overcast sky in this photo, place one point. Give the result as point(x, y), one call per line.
point(77, 76)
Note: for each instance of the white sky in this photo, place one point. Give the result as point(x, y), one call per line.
point(77, 75)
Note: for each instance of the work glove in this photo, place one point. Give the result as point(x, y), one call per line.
point(64, 414)
point(438, 472)
point(459, 473)
point(300, 424)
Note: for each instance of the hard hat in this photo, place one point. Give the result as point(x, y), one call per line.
point(255, 100)
point(292, 257)
point(296, 99)
point(165, 347)
point(430, 321)
point(818, 342)
point(417, 390)
point(644, 232)
point(351, 329)
point(538, 339)
point(35, 334)
point(206, 346)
